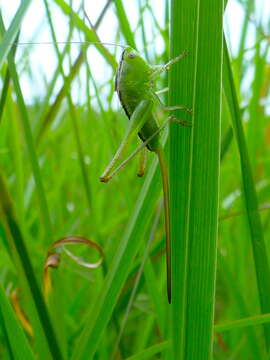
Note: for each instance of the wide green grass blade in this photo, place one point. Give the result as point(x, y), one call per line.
point(195, 201)
point(204, 184)
point(18, 342)
point(181, 85)
point(12, 31)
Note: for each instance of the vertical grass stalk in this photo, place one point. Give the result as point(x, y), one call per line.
point(204, 184)
point(181, 79)
point(194, 227)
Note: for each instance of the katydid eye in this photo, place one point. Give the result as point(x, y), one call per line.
point(131, 55)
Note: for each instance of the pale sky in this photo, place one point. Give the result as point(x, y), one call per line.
point(42, 56)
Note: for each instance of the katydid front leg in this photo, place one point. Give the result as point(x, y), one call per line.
point(161, 68)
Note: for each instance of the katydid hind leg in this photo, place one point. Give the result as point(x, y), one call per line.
point(140, 148)
point(106, 176)
point(112, 170)
point(136, 122)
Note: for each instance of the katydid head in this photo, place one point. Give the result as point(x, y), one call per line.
point(133, 58)
point(133, 70)
point(132, 79)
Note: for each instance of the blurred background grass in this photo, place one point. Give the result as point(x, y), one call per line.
point(56, 140)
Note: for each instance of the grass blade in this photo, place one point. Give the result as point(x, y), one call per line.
point(193, 340)
point(16, 337)
point(89, 34)
point(24, 264)
point(98, 318)
point(204, 186)
point(250, 196)
point(12, 31)
point(124, 24)
point(148, 353)
point(30, 142)
point(251, 321)
point(181, 79)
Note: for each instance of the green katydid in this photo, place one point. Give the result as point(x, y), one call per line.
point(134, 84)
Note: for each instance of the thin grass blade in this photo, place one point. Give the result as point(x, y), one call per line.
point(250, 196)
point(12, 31)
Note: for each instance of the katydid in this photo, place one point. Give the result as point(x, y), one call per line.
point(134, 84)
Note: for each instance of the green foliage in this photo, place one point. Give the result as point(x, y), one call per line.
point(53, 150)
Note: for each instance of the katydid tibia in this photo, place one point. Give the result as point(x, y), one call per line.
point(134, 84)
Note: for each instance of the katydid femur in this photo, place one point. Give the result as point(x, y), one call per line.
point(134, 84)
